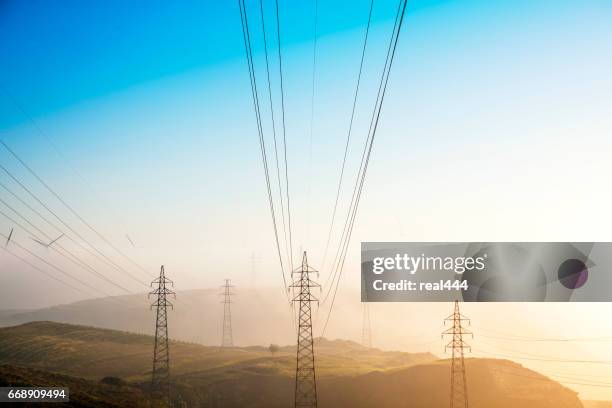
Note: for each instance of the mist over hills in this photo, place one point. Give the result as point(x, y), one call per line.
point(259, 316)
point(348, 374)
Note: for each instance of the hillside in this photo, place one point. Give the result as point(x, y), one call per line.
point(597, 404)
point(260, 316)
point(348, 374)
point(93, 353)
point(492, 383)
point(83, 393)
point(196, 316)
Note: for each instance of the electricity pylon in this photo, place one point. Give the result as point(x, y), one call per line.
point(366, 326)
point(458, 391)
point(227, 339)
point(160, 382)
point(305, 379)
point(253, 260)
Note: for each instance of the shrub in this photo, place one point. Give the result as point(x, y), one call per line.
point(113, 381)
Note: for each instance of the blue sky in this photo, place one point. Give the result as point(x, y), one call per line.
point(59, 56)
point(496, 126)
point(152, 106)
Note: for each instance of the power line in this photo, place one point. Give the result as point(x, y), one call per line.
point(278, 174)
point(282, 91)
point(371, 135)
point(314, 71)
point(54, 214)
point(57, 268)
point(550, 340)
point(581, 375)
point(369, 144)
point(351, 214)
point(580, 378)
point(43, 271)
point(312, 105)
point(76, 260)
point(515, 337)
point(547, 359)
point(28, 206)
point(73, 258)
point(521, 352)
point(256, 105)
point(348, 137)
point(66, 254)
point(61, 155)
point(71, 209)
point(589, 384)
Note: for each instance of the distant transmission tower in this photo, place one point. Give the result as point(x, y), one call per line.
point(366, 330)
point(305, 379)
point(227, 340)
point(160, 383)
point(366, 326)
point(252, 270)
point(458, 392)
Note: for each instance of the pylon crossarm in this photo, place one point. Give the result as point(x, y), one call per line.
point(162, 305)
point(454, 330)
point(453, 317)
point(301, 298)
point(456, 345)
point(304, 268)
point(164, 280)
point(162, 290)
point(308, 283)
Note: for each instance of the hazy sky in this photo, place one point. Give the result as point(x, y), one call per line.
point(496, 126)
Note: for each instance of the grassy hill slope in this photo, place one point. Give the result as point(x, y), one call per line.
point(492, 383)
point(348, 374)
point(83, 393)
point(93, 353)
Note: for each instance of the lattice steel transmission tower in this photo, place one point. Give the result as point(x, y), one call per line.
point(305, 379)
point(160, 382)
point(366, 326)
point(227, 339)
point(458, 391)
